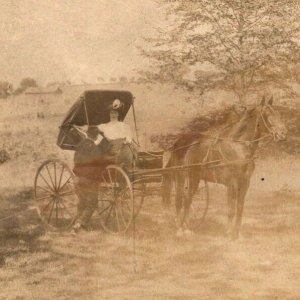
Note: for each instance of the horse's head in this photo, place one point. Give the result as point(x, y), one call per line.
point(270, 121)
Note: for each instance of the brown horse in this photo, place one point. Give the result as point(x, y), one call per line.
point(234, 147)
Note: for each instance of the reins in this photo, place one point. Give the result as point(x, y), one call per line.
point(218, 138)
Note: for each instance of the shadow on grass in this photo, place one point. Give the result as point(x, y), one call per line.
point(20, 226)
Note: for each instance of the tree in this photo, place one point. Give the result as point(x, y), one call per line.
point(123, 79)
point(246, 45)
point(25, 84)
point(6, 89)
point(28, 82)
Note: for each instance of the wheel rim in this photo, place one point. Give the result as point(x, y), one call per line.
point(54, 194)
point(139, 196)
point(115, 200)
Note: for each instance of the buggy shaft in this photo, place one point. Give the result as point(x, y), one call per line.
point(175, 168)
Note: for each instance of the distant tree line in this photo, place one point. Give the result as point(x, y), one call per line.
point(7, 88)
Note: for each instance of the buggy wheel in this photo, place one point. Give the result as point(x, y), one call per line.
point(115, 200)
point(54, 194)
point(200, 203)
point(139, 195)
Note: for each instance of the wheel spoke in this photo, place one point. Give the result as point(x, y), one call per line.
point(126, 202)
point(67, 193)
point(105, 195)
point(48, 204)
point(50, 177)
point(117, 218)
point(60, 177)
point(104, 191)
point(122, 216)
point(56, 212)
point(44, 198)
point(55, 179)
point(44, 189)
point(51, 211)
point(103, 177)
point(110, 179)
point(105, 209)
point(46, 182)
point(61, 210)
point(65, 183)
point(107, 217)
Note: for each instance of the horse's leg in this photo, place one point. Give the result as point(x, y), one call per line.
point(191, 188)
point(231, 207)
point(242, 190)
point(180, 178)
point(166, 190)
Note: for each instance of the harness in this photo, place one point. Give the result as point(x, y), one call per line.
point(217, 137)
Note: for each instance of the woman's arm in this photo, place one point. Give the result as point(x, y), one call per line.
point(128, 136)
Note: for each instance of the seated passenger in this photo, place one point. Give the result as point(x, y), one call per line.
point(118, 134)
point(115, 129)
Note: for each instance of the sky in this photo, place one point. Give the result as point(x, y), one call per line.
point(76, 40)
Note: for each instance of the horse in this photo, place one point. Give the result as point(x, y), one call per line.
point(234, 148)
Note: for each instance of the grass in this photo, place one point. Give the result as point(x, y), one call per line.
point(263, 264)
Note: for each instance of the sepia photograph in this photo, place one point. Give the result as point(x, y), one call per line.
point(150, 149)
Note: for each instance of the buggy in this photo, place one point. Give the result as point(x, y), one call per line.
point(121, 195)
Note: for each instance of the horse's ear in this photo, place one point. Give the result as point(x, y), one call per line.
point(270, 101)
point(263, 101)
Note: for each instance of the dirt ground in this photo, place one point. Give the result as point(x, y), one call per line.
point(263, 264)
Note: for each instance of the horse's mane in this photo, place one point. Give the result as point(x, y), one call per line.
point(204, 121)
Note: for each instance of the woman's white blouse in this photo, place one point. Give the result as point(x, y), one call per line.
point(116, 130)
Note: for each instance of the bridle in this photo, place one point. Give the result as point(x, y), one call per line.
point(217, 137)
point(267, 126)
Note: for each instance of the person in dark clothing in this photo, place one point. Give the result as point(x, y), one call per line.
point(87, 168)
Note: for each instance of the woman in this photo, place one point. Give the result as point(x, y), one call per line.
point(118, 134)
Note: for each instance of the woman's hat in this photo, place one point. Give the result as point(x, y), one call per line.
point(116, 105)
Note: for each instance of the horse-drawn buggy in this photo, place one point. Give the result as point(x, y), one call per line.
point(225, 158)
point(121, 193)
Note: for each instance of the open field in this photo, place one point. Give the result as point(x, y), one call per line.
point(263, 264)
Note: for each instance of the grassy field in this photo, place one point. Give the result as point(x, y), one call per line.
point(263, 264)
point(34, 264)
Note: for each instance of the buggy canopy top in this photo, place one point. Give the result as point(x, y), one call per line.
point(92, 108)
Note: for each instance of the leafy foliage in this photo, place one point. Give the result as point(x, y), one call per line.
point(28, 82)
point(208, 120)
point(25, 84)
point(243, 46)
point(6, 89)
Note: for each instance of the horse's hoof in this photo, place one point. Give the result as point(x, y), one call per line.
point(179, 233)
